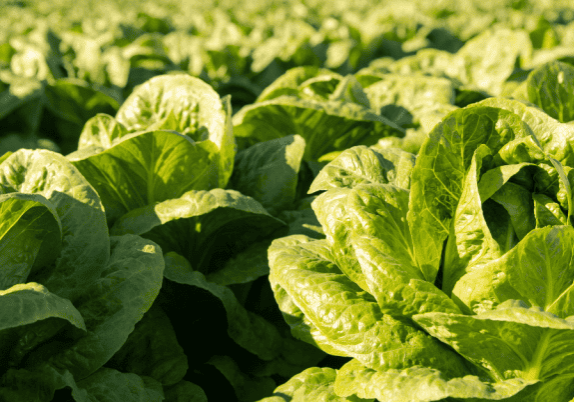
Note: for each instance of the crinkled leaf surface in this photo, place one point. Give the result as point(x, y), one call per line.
point(420, 384)
point(334, 215)
point(361, 164)
point(312, 384)
point(382, 242)
point(187, 105)
point(347, 318)
point(101, 130)
point(409, 91)
point(474, 241)
point(195, 107)
point(300, 81)
point(556, 139)
point(513, 341)
point(491, 56)
point(301, 327)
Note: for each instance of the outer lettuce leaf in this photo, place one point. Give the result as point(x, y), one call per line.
point(247, 329)
point(101, 130)
point(21, 385)
point(348, 319)
point(145, 168)
point(313, 384)
point(513, 341)
point(333, 213)
point(110, 306)
point(107, 385)
point(152, 350)
point(361, 164)
point(246, 387)
point(30, 236)
point(184, 391)
point(474, 242)
point(95, 298)
point(268, 172)
point(301, 81)
point(538, 271)
point(547, 212)
point(556, 139)
point(518, 203)
point(326, 126)
point(420, 384)
point(176, 102)
point(36, 299)
point(409, 91)
point(490, 58)
point(244, 267)
point(206, 227)
point(41, 315)
point(301, 327)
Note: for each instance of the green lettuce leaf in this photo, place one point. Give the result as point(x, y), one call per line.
point(206, 227)
point(313, 384)
point(420, 384)
point(537, 271)
point(513, 341)
point(359, 329)
point(361, 164)
point(550, 88)
point(441, 168)
point(268, 172)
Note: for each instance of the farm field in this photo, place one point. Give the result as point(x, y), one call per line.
point(286, 201)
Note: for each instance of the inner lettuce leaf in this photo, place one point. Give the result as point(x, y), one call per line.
point(441, 168)
point(538, 271)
